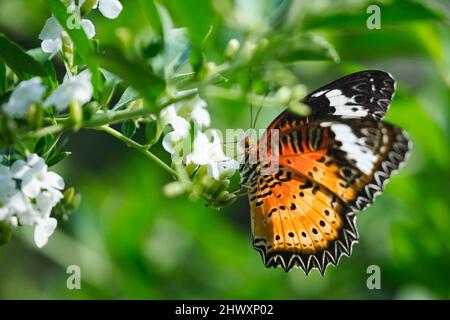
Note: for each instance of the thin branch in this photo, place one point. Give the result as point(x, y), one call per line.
point(141, 148)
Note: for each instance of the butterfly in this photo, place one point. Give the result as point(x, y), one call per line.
point(331, 163)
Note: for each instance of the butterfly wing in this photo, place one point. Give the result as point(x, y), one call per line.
point(361, 95)
point(303, 215)
point(295, 223)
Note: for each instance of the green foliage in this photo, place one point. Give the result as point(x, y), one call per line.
point(131, 241)
point(23, 65)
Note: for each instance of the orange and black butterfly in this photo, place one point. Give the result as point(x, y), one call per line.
point(332, 163)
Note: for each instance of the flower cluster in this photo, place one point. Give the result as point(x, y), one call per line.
point(28, 193)
point(51, 34)
point(181, 116)
point(30, 92)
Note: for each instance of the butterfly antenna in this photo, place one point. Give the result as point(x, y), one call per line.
point(259, 109)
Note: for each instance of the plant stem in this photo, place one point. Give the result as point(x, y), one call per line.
point(43, 131)
point(101, 119)
point(141, 148)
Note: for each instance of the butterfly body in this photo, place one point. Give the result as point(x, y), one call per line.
point(330, 165)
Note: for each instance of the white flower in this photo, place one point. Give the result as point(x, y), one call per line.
point(24, 95)
point(51, 32)
point(199, 113)
point(179, 125)
point(45, 225)
point(179, 115)
point(211, 154)
point(35, 177)
point(7, 184)
point(51, 36)
point(77, 88)
point(7, 189)
point(43, 230)
point(31, 204)
point(109, 8)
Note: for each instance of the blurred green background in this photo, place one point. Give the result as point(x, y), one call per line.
point(131, 242)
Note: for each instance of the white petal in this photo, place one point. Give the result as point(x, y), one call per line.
point(31, 186)
point(110, 8)
point(44, 229)
point(201, 116)
point(19, 203)
point(5, 213)
point(169, 141)
point(168, 114)
point(180, 126)
point(24, 95)
point(88, 27)
point(19, 168)
point(56, 195)
point(200, 153)
point(213, 170)
point(216, 150)
point(45, 203)
point(35, 161)
point(51, 30)
point(53, 180)
point(78, 88)
point(51, 45)
point(7, 184)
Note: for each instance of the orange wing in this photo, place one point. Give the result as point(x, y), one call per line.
point(303, 215)
point(295, 222)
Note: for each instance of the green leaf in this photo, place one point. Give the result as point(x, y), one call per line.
point(108, 88)
point(44, 60)
point(151, 12)
point(79, 38)
point(128, 128)
point(128, 96)
point(58, 158)
point(133, 72)
point(153, 132)
point(306, 46)
point(21, 63)
point(195, 15)
point(43, 144)
point(5, 232)
point(87, 6)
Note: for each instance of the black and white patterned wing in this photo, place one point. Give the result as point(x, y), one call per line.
point(361, 95)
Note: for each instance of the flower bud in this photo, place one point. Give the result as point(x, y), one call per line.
point(232, 48)
point(35, 116)
point(298, 92)
point(300, 108)
point(224, 199)
point(69, 195)
point(76, 114)
point(284, 94)
point(173, 189)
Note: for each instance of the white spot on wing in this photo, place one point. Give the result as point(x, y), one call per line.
point(319, 93)
point(333, 93)
point(344, 105)
point(354, 147)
